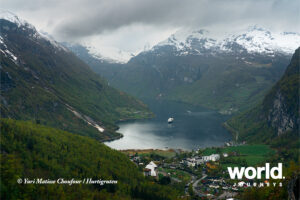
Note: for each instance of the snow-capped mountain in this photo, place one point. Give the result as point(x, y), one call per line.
point(110, 54)
point(9, 16)
point(252, 40)
point(28, 29)
point(107, 54)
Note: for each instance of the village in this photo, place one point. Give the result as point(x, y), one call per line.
point(200, 173)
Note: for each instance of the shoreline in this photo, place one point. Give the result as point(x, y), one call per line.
point(234, 132)
point(145, 151)
point(113, 138)
point(134, 119)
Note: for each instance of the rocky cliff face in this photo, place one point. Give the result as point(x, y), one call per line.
point(278, 116)
point(282, 103)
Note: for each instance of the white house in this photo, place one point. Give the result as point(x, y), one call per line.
point(212, 157)
point(215, 157)
point(150, 169)
point(214, 186)
point(241, 184)
point(190, 164)
point(199, 161)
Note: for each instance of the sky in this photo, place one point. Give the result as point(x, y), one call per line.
point(130, 26)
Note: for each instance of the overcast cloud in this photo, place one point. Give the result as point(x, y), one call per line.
point(89, 20)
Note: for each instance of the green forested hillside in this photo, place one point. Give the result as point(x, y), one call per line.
point(42, 81)
point(278, 114)
point(36, 151)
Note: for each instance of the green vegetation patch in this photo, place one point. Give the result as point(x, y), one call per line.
point(253, 154)
point(151, 153)
point(35, 151)
point(254, 150)
point(178, 174)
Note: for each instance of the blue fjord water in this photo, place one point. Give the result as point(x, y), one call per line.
point(193, 127)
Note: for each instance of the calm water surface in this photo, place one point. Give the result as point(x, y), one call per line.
point(193, 127)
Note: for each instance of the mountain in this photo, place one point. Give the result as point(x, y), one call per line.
point(42, 80)
point(110, 54)
point(278, 114)
point(254, 39)
point(36, 152)
point(281, 104)
point(108, 68)
point(229, 73)
point(275, 121)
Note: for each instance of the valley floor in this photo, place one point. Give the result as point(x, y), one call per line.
point(194, 176)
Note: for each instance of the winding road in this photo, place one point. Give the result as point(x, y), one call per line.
point(195, 185)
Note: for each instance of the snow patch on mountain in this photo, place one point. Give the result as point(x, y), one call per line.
point(260, 40)
point(53, 42)
point(110, 54)
point(1, 40)
point(11, 55)
point(183, 38)
point(6, 52)
point(9, 16)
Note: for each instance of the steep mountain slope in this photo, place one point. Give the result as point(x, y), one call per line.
point(227, 73)
point(275, 121)
point(278, 114)
point(101, 66)
point(43, 81)
point(38, 152)
point(281, 104)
